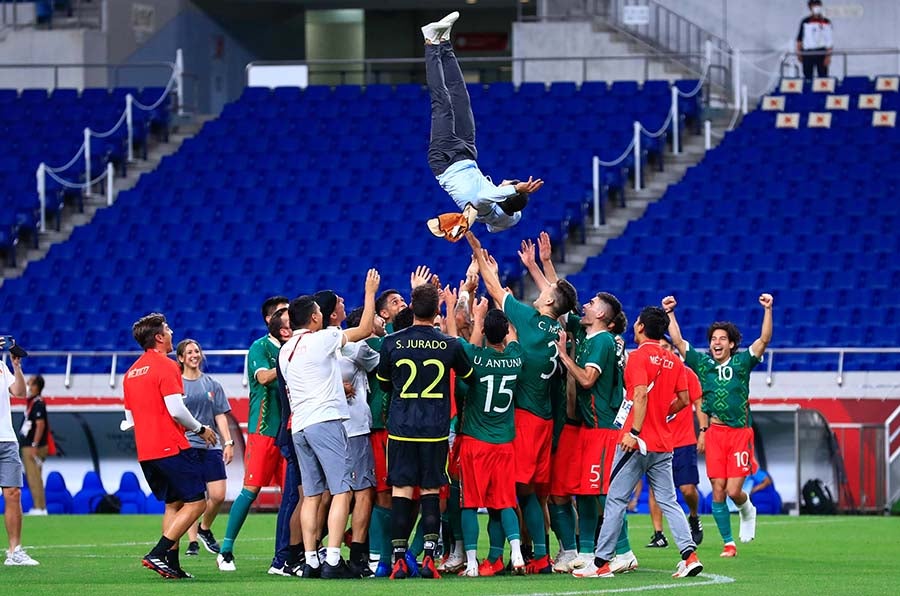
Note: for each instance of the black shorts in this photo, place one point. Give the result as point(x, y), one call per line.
point(177, 477)
point(684, 466)
point(417, 463)
point(213, 464)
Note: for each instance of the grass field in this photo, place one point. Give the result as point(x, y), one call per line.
point(84, 555)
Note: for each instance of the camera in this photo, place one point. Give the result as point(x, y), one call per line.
point(8, 343)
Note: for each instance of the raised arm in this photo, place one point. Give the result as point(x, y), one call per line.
point(489, 270)
point(479, 311)
point(765, 334)
point(367, 322)
point(546, 253)
point(449, 296)
point(526, 254)
point(669, 303)
point(422, 275)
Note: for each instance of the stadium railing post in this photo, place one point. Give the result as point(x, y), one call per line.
point(110, 175)
point(637, 155)
point(736, 82)
point(129, 121)
point(744, 99)
point(596, 177)
point(179, 79)
point(42, 194)
point(707, 134)
point(676, 140)
point(87, 162)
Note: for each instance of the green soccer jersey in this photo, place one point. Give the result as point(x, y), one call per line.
point(726, 387)
point(379, 399)
point(598, 406)
point(488, 414)
point(264, 417)
point(537, 335)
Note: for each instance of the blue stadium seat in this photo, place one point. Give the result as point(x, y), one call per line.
point(58, 497)
point(92, 491)
point(130, 494)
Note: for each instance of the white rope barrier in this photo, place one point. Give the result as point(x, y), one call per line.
point(111, 131)
point(618, 160)
point(162, 97)
point(71, 161)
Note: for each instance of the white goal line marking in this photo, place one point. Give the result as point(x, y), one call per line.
point(710, 579)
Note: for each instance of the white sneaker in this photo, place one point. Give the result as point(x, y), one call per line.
point(688, 568)
point(748, 525)
point(623, 563)
point(448, 20)
point(469, 572)
point(563, 561)
point(18, 556)
point(435, 33)
point(582, 560)
point(453, 564)
point(592, 571)
point(34, 511)
point(225, 562)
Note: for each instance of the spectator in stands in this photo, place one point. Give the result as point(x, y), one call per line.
point(35, 432)
point(451, 153)
point(815, 41)
point(263, 463)
point(205, 399)
point(154, 407)
point(10, 463)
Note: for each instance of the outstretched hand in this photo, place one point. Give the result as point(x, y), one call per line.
point(544, 249)
point(530, 186)
point(669, 303)
point(526, 252)
point(766, 300)
point(421, 276)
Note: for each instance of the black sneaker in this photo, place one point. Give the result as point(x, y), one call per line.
point(696, 529)
point(339, 571)
point(658, 540)
point(309, 572)
point(193, 549)
point(182, 574)
point(208, 540)
point(361, 568)
point(159, 565)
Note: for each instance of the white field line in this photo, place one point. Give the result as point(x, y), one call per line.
point(709, 579)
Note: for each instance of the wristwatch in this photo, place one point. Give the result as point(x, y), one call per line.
point(200, 430)
point(229, 443)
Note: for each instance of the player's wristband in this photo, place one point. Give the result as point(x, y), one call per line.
point(229, 443)
point(703, 429)
point(200, 430)
point(634, 432)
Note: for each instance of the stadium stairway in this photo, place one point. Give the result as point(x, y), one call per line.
point(71, 218)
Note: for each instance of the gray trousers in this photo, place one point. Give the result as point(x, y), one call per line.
point(452, 122)
point(658, 468)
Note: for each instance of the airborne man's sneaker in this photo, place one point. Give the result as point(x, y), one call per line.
point(435, 33)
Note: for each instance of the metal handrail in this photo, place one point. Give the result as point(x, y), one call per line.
point(115, 68)
point(839, 351)
point(791, 60)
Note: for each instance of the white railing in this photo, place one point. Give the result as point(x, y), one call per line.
point(892, 460)
point(175, 83)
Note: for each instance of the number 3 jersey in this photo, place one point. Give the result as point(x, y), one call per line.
point(726, 387)
point(417, 362)
point(537, 335)
point(487, 412)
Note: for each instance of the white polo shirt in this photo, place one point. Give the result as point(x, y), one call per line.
point(7, 434)
point(309, 363)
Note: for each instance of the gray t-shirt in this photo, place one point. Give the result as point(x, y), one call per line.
point(205, 399)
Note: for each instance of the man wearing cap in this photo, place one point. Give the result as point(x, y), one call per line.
point(815, 41)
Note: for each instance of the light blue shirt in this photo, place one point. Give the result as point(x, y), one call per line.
point(467, 184)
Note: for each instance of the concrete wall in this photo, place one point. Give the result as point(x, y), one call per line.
point(30, 46)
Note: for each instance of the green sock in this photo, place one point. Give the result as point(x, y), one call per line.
point(495, 535)
point(236, 517)
point(417, 546)
point(534, 521)
point(510, 522)
point(588, 516)
point(470, 528)
point(380, 532)
point(623, 545)
point(565, 524)
point(723, 520)
point(453, 513)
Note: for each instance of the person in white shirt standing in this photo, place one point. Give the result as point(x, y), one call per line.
point(310, 364)
point(815, 41)
point(11, 468)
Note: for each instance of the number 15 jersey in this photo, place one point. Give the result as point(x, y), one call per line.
point(417, 362)
point(487, 413)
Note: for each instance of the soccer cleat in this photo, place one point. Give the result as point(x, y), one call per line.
point(658, 540)
point(564, 561)
point(454, 563)
point(581, 561)
point(748, 524)
point(383, 569)
point(623, 563)
point(729, 551)
point(208, 540)
point(157, 564)
point(280, 568)
point(412, 566)
point(696, 529)
point(360, 569)
point(18, 557)
point(182, 574)
point(470, 571)
point(591, 570)
point(225, 561)
point(488, 569)
point(689, 568)
point(428, 570)
point(193, 549)
point(339, 571)
point(309, 572)
point(539, 566)
point(400, 570)
point(517, 565)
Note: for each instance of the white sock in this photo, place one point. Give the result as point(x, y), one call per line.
point(472, 559)
point(374, 557)
point(332, 555)
point(457, 547)
point(515, 547)
point(312, 559)
point(746, 507)
point(570, 553)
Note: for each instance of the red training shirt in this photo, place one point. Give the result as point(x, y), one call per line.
point(682, 426)
point(663, 374)
point(151, 378)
